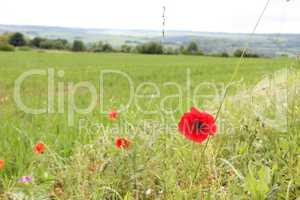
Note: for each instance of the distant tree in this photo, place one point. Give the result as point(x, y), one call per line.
point(101, 47)
point(177, 51)
point(97, 47)
point(182, 49)
point(63, 42)
point(54, 44)
point(238, 53)
point(169, 51)
point(150, 48)
point(107, 47)
point(192, 48)
point(253, 55)
point(17, 39)
point(247, 53)
point(125, 48)
point(78, 45)
point(224, 54)
point(46, 44)
point(36, 42)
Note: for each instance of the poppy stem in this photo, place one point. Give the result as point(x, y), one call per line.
point(236, 69)
point(200, 161)
point(206, 144)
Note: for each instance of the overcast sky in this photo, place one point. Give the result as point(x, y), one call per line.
point(197, 15)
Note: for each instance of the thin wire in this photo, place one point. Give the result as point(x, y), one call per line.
point(242, 57)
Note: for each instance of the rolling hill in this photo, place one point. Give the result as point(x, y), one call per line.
point(267, 44)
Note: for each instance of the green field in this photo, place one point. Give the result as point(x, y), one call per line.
point(246, 159)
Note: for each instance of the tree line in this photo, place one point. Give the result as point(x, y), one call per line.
point(9, 41)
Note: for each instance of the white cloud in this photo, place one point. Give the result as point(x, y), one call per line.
point(198, 15)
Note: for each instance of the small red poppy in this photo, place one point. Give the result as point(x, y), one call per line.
point(39, 148)
point(122, 143)
point(2, 162)
point(196, 125)
point(112, 115)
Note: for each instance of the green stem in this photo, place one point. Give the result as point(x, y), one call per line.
point(200, 161)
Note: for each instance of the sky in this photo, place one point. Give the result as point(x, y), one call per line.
point(238, 16)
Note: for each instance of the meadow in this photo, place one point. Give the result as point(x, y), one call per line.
point(248, 158)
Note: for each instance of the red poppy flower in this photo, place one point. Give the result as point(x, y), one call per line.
point(2, 162)
point(39, 148)
point(122, 143)
point(112, 115)
point(196, 125)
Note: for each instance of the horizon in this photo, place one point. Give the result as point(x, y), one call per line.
point(136, 29)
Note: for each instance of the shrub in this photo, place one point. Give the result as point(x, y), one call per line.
point(17, 39)
point(6, 47)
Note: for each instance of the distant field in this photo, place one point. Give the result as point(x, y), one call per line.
point(246, 163)
point(85, 65)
